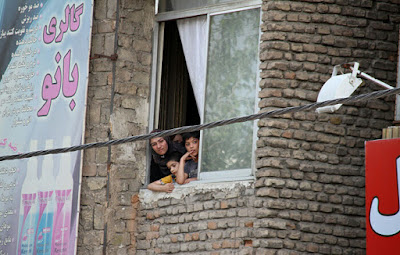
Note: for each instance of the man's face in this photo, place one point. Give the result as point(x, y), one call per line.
point(178, 138)
point(192, 146)
point(159, 145)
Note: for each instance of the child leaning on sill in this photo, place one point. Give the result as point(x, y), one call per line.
point(166, 184)
point(187, 171)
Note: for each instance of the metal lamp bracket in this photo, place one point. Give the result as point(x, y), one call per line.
point(343, 85)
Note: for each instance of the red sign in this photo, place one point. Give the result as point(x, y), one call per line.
point(382, 174)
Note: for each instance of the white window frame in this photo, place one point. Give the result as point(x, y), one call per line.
point(173, 15)
point(217, 176)
point(238, 173)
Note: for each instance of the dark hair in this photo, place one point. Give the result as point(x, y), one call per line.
point(174, 156)
point(173, 136)
point(195, 134)
point(156, 131)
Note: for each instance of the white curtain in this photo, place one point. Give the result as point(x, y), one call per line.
point(193, 32)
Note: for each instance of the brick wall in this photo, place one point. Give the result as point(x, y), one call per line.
point(311, 167)
point(202, 218)
point(308, 196)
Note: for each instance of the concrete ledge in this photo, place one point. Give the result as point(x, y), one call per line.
point(197, 187)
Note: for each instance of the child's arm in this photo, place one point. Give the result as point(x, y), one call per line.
point(181, 176)
point(158, 186)
point(190, 180)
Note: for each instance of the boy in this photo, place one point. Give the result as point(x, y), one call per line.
point(188, 164)
point(166, 184)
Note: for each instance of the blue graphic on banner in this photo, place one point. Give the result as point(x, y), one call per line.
point(45, 46)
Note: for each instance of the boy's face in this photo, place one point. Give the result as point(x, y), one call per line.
point(159, 145)
point(173, 166)
point(192, 146)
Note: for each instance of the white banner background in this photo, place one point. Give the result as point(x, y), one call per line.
point(45, 48)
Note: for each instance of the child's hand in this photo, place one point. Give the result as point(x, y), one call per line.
point(193, 157)
point(169, 187)
point(189, 155)
point(186, 157)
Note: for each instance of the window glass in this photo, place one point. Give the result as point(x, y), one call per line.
point(232, 71)
point(180, 5)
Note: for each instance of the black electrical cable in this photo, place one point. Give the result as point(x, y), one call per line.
point(179, 130)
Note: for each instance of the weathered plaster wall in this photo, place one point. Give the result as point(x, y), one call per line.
point(111, 219)
point(308, 196)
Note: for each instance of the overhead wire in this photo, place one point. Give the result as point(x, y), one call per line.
point(184, 129)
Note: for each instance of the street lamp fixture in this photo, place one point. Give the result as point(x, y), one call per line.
point(343, 85)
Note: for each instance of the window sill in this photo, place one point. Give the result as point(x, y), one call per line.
point(147, 196)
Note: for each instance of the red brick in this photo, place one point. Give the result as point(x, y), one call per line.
point(248, 243)
point(152, 235)
point(155, 228)
point(227, 244)
point(224, 205)
point(195, 236)
point(150, 216)
point(216, 245)
point(249, 224)
point(212, 225)
point(135, 199)
point(174, 239)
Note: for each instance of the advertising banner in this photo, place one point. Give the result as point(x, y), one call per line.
point(44, 49)
point(382, 196)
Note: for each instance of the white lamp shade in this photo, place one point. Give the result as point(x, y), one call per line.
point(338, 86)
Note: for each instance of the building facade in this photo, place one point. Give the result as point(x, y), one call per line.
point(305, 192)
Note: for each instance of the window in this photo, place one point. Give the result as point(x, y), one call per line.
point(206, 69)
